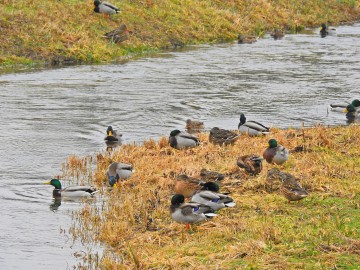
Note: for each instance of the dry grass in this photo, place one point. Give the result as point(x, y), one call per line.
point(262, 232)
point(69, 31)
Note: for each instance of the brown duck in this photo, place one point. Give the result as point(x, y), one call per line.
point(251, 163)
point(222, 136)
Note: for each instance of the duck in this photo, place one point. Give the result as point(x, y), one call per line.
point(275, 153)
point(194, 125)
point(327, 30)
point(181, 140)
point(275, 177)
point(72, 191)
point(222, 136)
point(277, 34)
point(106, 8)
point(211, 175)
point(291, 188)
point(252, 128)
point(246, 39)
point(112, 135)
point(351, 112)
point(342, 107)
point(210, 196)
point(118, 171)
point(190, 212)
point(251, 163)
point(187, 186)
point(119, 34)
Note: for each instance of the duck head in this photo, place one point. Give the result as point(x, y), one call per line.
point(211, 186)
point(177, 199)
point(54, 182)
point(110, 131)
point(272, 143)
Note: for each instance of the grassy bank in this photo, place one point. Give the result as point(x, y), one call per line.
point(68, 31)
point(262, 232)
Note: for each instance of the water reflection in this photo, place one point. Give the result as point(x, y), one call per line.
point(54, 206)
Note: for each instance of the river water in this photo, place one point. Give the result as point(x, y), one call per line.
point(47, 115)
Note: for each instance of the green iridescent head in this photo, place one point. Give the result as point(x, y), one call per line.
point(54, 182)
point(272, 143)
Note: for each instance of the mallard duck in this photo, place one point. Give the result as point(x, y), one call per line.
point(71, 192)
point(327, 30)
point(105, 8)
point(277, 34)
point(251, 163)
point(186, 185)
point(189, 213)
point(246, 39)
point(194, 125)
point(252, 128)
point(119, 34)
point(275, 153)
point(291, 188)
point(275, 178)
point(211, 175)
point(222, 136)
point(342, 107)
point(351, 112)
point(181, 139)
point(209, 195)
point(112, 135)
point(118, 171)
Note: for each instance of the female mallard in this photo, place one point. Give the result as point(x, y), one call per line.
point(275, 178)
point(342, 107)
point(105, 8)
point(210, 196)
point(222, 136)
point(275, 153)
point(181, 139)
point(277, 34)
point(211, 175)
point(186, 185)
point(71, 192)
point(246, 39)
point(189, 213)
point(291, 189)
point(118, 171)
point(327, 30)
point(112, 135)
point(251, 163)
point(252, 128)
point(194, 125)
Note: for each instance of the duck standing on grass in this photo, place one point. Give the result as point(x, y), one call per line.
point(106, 8)
point(275, 153)
point(72, 191)
point(210, 196)
point(181, 139)
point(118, 171)
point(291, 189)
point(252, 128)
point(189, 213)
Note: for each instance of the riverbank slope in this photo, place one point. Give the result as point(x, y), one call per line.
point(263, 230)
point(68, 31)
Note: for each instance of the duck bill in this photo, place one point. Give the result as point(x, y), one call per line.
point(47, 183)
point(345, 110)
point(110, 133)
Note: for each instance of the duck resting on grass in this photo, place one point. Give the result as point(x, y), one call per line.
point(112, 135)
point(275, 153)
point(181, 139)
point(291, 189)
point(251, 163)
point(105, 8)
point(72, 191)
point(222, 136)
point(210, 196)
point(189, 213)
point(118, 171)
point(252, 128)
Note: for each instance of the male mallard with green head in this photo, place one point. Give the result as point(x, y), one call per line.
point(72, 191)
point(118, 171)
point(181, 139)
point(210, 196)
point(252, 128)
point(189, 213)
point(106, 8)
point(275, 153)
point(222, 136)
point(112, 135)
point(251, 163)
point(342, 107)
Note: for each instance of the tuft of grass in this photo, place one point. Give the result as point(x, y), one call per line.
point(263, 231)
point(63, 32)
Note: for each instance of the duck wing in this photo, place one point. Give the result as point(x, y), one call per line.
point(107, 4)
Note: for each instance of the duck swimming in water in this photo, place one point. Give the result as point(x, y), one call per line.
point(72, 191)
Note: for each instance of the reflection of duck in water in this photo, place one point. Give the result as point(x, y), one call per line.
point(72, 191)
point(54, 206)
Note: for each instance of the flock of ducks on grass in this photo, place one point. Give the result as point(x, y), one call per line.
point(203, 191)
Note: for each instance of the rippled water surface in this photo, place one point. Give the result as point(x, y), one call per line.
point(50, 114)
